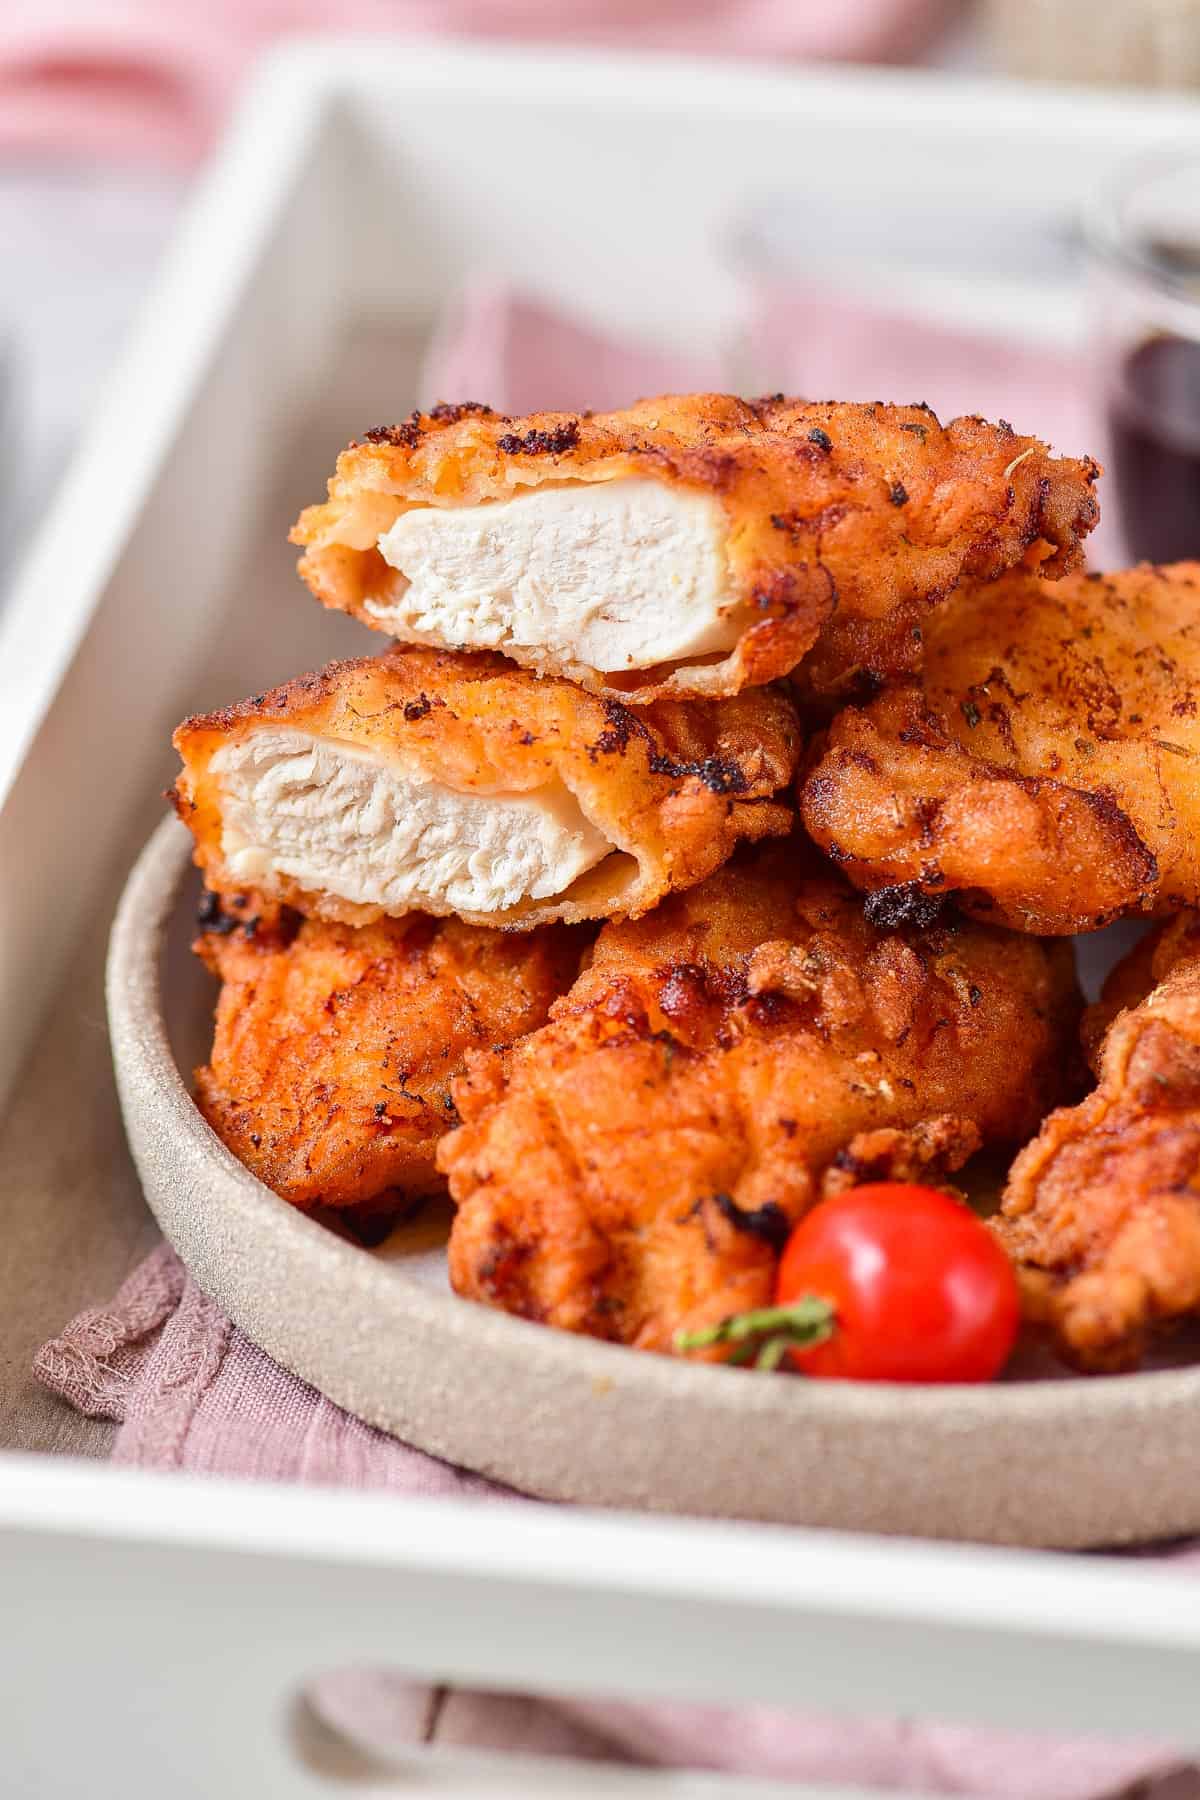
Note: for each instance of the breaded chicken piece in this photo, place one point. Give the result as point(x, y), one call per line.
point(1043, 769)
point(632, 1169)
point(693, 544)
point(461, 784)
point(1102, 1209)
point(335, 1046)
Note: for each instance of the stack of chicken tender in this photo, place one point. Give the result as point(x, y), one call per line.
point(521, 903)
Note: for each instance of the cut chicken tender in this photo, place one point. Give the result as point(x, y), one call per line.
point(1102, 1210)
point(1043, 769)
point(633, 1169)
point(616, 574)
point(335, 1046)
point(689, 545)
point(460, 784)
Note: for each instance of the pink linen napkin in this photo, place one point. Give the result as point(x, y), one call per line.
point(190, 1392)
point(142, 79)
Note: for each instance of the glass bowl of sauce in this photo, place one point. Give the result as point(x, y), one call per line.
point(1145, 271)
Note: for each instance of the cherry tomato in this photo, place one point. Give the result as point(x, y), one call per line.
point(884, 1283)
point(920, 1289)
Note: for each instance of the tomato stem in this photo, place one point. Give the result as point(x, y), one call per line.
point(765, 1335)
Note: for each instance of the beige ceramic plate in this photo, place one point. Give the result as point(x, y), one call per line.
point(1065, 1462)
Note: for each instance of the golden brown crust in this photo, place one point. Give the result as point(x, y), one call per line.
point(860, 509)
point(675, 786)
point(1042, 769)
point(632, 1169)
point(1102, 1209)
point(335, 1047)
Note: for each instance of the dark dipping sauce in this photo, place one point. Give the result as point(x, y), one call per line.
point(1155, 436)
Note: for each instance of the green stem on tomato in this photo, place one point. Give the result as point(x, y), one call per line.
point(766, 1334)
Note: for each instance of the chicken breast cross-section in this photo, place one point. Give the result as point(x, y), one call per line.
point(1102, 1209)
point(633, 1169)
point(335, 1045)
point(424, 780)
point(1044, 768)
point(692, 544)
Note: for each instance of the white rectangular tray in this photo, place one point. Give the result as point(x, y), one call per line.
point(361, 182)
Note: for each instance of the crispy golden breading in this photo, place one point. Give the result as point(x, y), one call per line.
point(854, 658)
point(633, 1168)
point(335, 1046)
point(1044, 767)
point(1102, 1209)
point(670, 789)
point(858, 508)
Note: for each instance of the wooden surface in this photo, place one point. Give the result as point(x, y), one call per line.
point(75, 1222)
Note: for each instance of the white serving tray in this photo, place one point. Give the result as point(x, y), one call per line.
point(359, 184)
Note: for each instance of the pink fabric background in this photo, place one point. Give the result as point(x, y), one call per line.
point(153, 78)
point(191, 1392)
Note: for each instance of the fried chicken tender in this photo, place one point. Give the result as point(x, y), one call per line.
point(335, 1047)
point(1043, 769)
point(633, 1169)
point(461, 784)
point(1102, 1209)
point(694, 544)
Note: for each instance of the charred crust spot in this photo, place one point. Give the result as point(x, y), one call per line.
point(917, 430)
point(906, 904)
point(401, 437)
point(212, 916)
point(420, 708)
point(717, 773)
point(540, 443)
point(449, 413)
point(769, 1223)
point(622, 725)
